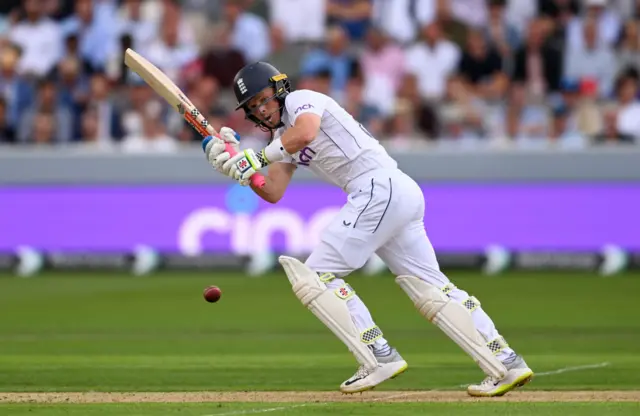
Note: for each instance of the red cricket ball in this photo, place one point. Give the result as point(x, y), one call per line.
point(212, 294)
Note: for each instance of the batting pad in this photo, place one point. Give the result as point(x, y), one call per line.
point(454, 319)
point(327, 307)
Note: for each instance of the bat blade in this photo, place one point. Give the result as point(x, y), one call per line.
point(168, 90)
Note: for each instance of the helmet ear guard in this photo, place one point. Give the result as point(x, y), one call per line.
point(281, 84)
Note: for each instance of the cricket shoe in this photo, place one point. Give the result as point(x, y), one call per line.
point(518, 374)
point(389, 367)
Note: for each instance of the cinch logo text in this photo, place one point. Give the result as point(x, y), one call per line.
point(304, 107)
point(306, 156)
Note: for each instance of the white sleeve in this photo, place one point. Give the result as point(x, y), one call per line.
point(288, 158)
point(305, 101)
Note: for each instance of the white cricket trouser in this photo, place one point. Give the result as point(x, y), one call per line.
point(384, 214)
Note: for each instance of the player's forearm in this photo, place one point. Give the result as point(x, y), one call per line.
point(276, 182)
point(293, 140)
point(270, 192)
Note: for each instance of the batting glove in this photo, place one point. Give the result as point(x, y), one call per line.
point(243, 165)
point(229, 136)
point(213, 147)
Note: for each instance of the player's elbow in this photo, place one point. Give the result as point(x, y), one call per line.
point(272, 199)
point(308, 133)
point(307, 137)
point(308, 126)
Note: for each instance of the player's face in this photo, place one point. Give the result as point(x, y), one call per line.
point(266, 107)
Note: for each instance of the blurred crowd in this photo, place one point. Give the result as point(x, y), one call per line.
point(529, 72)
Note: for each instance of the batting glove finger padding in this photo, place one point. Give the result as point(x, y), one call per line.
point(219, 161)
point(230, 136)
point(213, 150)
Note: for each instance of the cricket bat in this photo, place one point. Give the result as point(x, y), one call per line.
point(162, 85)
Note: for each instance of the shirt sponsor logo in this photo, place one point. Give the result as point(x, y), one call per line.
point(304, 107)
point(306, 156)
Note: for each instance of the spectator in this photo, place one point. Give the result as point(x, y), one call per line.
point(40, 40)
point(207, 90)
point(116, 69)
point(624, 8)
point(132, 22)
point(519, 13)
point(249, 33)
point(71, 49)
point(73, 87)
point(17, 92)
point(7, 133)
point(587, 114)
point(285, 56)
point(402, 19)
point(636, 7)
point(562, 11)
point(610, 133)
point(527, 119)
point(383, 66)
point(481, 68)
point(168, 52)
point(366, 113)
point(607, 21)
point(109, 117)
point(558, 14)
point(323, 81)
point(9, 6)
point(537, 64)
point(89, 133)
point(300, 21)
point(139, 97)
point(222, 61)
point(463, 114)
point(44, 128)
point(432, 61)
point(569, 101)
point(307, 82)
point(334, 57)
point(628, 121)
point(628, 47)
point(454, 29)
point(424, 114)
point(58, 10)
point(174, 9)
point(591, 60)
point(501, 35)
point(47, 102)
point(4, 27)
point(561, 131)
point(402, 129)
point(154, 138)
point(472, 13)
point(95, 25)
point(352, 15)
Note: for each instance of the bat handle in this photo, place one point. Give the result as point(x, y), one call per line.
point(257, 179)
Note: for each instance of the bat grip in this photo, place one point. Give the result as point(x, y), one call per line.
point(257, 179)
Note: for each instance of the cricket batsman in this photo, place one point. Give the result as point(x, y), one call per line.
point(383, 214)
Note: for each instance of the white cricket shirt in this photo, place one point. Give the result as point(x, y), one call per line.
point(343, 149)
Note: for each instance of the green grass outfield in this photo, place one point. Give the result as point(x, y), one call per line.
point(116, 333)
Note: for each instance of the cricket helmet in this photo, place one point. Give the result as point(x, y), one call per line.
point(252, 79)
